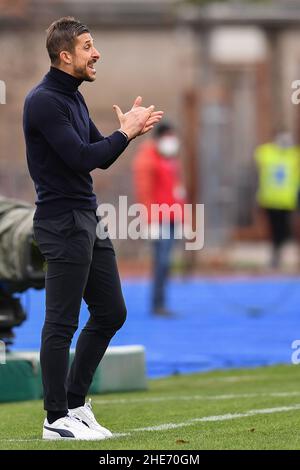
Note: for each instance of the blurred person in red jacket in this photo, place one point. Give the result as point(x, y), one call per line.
point(158, 181)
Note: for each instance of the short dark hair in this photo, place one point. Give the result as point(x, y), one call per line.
point(61, 35)
point(162, 128)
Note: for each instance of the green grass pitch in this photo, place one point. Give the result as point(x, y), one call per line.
point(233, 409)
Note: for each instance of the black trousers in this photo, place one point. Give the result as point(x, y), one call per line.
point(79, 265)
point(279, 221)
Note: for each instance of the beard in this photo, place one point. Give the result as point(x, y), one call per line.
point(82, 73)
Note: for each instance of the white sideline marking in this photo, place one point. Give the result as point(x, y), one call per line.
point(167, 426)
point(229, 396)
point(228, 416)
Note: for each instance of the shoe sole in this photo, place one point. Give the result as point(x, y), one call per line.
point(54, 436)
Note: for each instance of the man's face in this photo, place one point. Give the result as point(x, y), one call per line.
point(84, 58)
point(168, 144)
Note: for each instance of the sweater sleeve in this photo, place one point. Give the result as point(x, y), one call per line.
point(49, 117)
point(95, 135)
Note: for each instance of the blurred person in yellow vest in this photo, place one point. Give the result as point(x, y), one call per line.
point(278, 166)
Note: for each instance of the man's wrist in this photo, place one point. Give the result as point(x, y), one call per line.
point(125, 134)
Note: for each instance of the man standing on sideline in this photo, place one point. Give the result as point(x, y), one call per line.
point(63, 147)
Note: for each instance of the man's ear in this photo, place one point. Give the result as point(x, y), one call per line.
point(65, 57)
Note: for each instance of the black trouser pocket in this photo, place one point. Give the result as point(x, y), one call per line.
point(67, 237)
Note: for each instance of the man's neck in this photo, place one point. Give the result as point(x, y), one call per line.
point(64, 79)
point(65, 69)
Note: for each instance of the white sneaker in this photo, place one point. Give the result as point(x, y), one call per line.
point(70, 427)
point(86, 415)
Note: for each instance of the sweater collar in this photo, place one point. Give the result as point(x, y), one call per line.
point(64, 80)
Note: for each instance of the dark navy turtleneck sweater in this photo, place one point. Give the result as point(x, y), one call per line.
point(63, 145)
